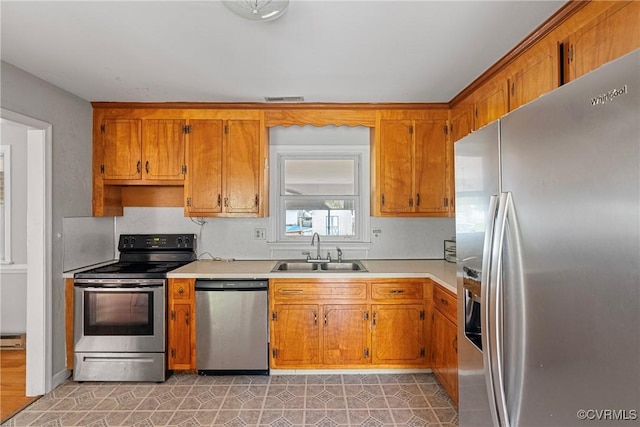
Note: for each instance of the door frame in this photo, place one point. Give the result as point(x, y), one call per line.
point(39, 362)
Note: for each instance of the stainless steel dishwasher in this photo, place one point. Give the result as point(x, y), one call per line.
point(232, 327)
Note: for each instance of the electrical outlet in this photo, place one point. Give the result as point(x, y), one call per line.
point(260, 234)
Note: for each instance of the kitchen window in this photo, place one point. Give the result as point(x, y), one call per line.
point(322, 190)
point(5, 204)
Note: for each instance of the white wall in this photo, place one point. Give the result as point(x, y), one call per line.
point(88, 241)
point(13, 278)
point(400, 238)
point(71, 119)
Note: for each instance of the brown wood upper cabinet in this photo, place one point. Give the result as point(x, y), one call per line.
point(492, 102)
point(224, 168)
point(137, 151)
point(535, 75)
point(608, 36)
point(411, 168)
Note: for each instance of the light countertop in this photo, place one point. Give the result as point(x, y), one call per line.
point(440, 271)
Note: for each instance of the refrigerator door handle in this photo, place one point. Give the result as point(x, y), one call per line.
point(496, 308)
point(487, 314)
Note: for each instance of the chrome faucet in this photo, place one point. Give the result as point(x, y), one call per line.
point(313, 239)
point(339, 254)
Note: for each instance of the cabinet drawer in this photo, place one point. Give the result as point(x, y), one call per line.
point(397, 290)
point(446, 303)
point(319, 290)
point(180, 289)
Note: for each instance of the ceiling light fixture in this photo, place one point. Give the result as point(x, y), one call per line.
point(258, 10)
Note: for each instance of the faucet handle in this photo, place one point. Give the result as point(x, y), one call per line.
point(308, 254)
point(339, 254)
point(329, 256)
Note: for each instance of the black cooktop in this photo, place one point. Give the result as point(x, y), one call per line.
point(146, 256)
point(131, 270)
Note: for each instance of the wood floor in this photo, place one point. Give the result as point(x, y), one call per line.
point(12, 383)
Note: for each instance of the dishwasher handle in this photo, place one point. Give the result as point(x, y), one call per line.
point(218, 285)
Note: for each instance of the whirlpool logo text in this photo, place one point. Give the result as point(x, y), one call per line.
point(609, 96)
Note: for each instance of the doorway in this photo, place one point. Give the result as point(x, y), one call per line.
point(38, 239)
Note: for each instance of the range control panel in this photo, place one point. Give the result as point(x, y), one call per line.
point(146, 242)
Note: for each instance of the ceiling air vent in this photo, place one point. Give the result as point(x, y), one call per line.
point(284, 98)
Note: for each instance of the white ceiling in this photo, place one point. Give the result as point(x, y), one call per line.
point(326, 51)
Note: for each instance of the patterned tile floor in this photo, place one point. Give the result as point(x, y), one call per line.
point(277, 400)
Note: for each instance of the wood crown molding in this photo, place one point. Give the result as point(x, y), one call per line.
point(271, 106)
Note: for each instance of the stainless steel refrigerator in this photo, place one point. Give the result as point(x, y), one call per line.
point(548, 246)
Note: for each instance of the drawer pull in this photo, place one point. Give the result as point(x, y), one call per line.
point(397, 291)
point(291, 291)
point(181, 290)
point(444, 301)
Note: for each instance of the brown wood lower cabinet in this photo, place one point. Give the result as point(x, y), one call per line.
point(444, 341)
point(349, 324)
point(68, 320)
point(295, 334)
point(398, 334)
point(181, 324)
point(345, 334)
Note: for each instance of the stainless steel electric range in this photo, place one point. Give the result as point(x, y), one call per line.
point(119, 309)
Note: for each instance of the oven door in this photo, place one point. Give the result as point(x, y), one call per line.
point(123, 316)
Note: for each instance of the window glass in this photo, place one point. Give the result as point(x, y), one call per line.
point(319, 195)
point(319, 183)
point(319, 177)
point(327, 217)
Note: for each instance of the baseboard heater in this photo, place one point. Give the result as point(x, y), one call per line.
point(12, 342)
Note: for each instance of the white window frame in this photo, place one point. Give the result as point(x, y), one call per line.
point(5, 256)
point(279, 153)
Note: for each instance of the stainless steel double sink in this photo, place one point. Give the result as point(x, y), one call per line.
point(301, 266)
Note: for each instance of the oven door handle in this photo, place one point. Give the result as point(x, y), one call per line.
point(116, 286)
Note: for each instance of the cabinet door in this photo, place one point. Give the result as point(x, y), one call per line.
point(397, 334)
point(203, 185)
point(431, 166)
point(444, 342)
point(345, 334)
point(181, 324)
point(609, 36)
point(461, 122)
point(295, 335)
point(121, 147)
point(163, 149)
point(538, 76)
point(396, 166)
point(492, 104)
point(242, 167)
point(180, 350)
